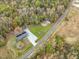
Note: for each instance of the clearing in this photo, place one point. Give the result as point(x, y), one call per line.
point(70, 28)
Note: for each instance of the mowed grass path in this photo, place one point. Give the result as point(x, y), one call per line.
point(39, 30)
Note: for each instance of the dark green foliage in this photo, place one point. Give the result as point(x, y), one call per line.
point(49, 48)
point(22, 12)
point(58, 40)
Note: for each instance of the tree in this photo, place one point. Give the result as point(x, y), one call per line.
point(37, 3)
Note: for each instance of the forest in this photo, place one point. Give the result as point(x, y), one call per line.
point(15, 13)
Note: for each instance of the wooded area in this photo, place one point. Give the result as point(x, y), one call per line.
point(15, 13)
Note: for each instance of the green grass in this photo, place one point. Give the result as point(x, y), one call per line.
point(27, 48)
point(2, 43)
point(39, 30)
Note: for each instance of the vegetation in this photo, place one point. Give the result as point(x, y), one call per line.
point(14, 13)
point(65, 44)
point(51, 49)
point(22, 52)
point(39, 30)
point(64, 51)
point(2, 43)
point(27, 12)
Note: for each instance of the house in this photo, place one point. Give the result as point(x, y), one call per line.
point(30, 36)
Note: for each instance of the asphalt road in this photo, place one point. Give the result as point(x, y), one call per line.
point(49, 33)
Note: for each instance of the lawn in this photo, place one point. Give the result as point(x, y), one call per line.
point(39, 30)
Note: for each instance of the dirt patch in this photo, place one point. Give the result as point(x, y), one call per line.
point(6, 53)
point(70, 29)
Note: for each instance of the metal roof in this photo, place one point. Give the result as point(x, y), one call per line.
point(21, 36)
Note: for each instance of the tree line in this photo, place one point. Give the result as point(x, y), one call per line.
point(26, 12)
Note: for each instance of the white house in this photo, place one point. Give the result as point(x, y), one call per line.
point(32, 38)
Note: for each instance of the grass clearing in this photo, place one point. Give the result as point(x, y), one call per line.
point(39, 30)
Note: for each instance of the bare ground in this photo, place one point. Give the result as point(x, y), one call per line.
point(70, 29)
point(6, 53)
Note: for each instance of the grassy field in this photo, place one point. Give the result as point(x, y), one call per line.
point(39, 30)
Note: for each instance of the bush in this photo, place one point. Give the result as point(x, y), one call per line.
point(2, 43)
point(49, 48)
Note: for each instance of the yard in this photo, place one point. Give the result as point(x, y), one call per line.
point(12, 45)
point(39, 30)
point(24, 50)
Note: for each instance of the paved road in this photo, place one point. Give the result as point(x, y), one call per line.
point(49, 33)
